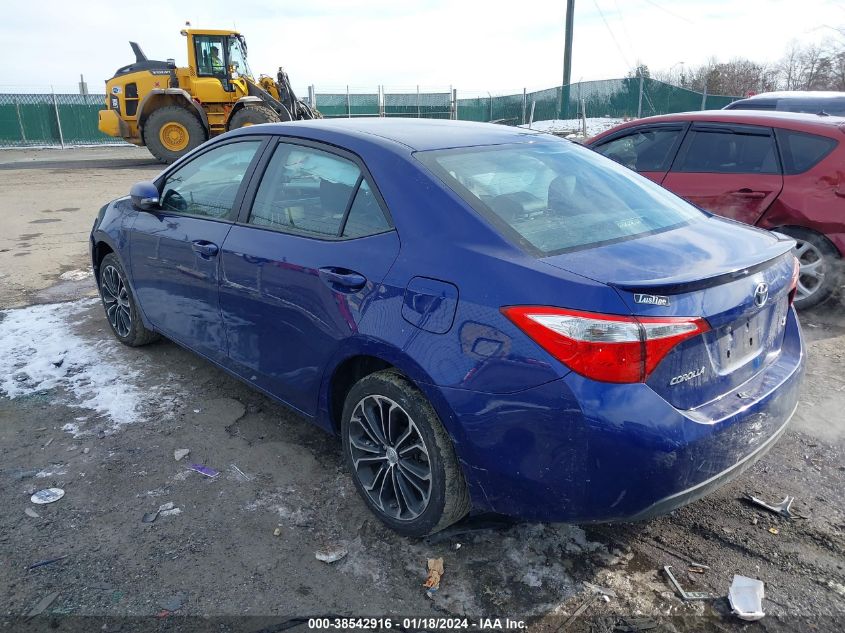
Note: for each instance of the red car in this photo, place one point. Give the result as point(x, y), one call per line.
point(776, 170)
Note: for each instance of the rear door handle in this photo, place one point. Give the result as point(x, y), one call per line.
point(342, 280)
point(205, 249)
point(748, 193)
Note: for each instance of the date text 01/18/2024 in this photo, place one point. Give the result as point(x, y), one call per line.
point(410, 623)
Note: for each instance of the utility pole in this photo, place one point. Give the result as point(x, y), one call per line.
point(567, 58)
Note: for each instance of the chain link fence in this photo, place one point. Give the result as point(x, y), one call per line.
point(28, 120)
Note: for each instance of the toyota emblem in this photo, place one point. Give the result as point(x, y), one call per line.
point(761, 294)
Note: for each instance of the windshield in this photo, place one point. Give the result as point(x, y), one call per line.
point(557, 196)
point(237, 56)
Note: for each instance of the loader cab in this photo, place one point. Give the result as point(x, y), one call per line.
point(218, 54)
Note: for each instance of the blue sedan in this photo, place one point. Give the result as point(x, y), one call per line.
point(492, 319)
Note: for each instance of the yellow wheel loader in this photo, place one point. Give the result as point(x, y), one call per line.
point(172, 110)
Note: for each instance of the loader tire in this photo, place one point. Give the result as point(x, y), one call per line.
point(253, 115)
point(171, 132)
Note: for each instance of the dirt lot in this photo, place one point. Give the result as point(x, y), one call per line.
point(80, 412)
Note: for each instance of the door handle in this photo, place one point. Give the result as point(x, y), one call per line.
point(342, 280)
point(748, 193)
point(205, 249)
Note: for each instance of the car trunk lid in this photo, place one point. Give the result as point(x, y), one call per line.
point(735, 277)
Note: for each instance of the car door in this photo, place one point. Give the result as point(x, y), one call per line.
point(647, 149)
point(174, 249)
point(312, 245)
point(730, 170)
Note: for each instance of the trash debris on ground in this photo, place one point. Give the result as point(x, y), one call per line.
point(31, 513)
point(205, 470)
point(239, 474)
point(49, 561)
point(331, 553)
point(685, 595)
point(42, 604)
point(695, 570)
point(164, 510)
point(584, 606)
point(48, 495)
point(435, 573)
point(746, 598)
point(783, 508)
point(86, 450)
point(149, 517)
point(602, 590)
point(278, 532)
point(174, 603)
point(47, 443)
point(774, 531)
point(19, 474)
point(635, 625)
point(179, 453)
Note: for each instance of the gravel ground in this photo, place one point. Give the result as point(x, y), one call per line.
point(102, 422)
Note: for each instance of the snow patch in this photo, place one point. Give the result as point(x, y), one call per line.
point(76, 275)
point(40, 351)
point(595, 125)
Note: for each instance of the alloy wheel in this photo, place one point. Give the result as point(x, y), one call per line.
point(811, 268)
point(390, 458)
point(116, 301)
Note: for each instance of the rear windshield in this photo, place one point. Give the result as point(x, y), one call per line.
point(552, 197)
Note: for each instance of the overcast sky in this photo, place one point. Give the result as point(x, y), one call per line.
point(495, 45)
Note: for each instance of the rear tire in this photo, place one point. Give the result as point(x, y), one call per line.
point(253, 114)
point(403, 465)
point(819, 262)
point(171, 132)
point(120, 306)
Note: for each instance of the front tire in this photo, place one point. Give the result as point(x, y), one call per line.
point(400, 456)
point(253, 115)
point(171, 132)
point(819, 263)
point(120, 306)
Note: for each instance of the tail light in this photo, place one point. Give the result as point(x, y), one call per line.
point(796, 272)
point(605, 347)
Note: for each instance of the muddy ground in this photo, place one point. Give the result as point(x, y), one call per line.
point(102, 422)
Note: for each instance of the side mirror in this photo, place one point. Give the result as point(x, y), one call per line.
point(144, 196)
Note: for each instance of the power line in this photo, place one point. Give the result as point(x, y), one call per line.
point(669, 11)
point(609, 30)
point(625, 29)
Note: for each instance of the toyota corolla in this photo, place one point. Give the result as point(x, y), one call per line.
point(491, 319)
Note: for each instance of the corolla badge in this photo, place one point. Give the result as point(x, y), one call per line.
point(761, 294)
point(687, 376)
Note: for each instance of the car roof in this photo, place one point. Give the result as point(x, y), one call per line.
point(797, 94)
point(413, 134)
point(778, 119)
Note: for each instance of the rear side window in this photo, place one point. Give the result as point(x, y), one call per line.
point(801, 151)
point(308, 191)
point(649, 149)
point(553, 197)
point(721, 151)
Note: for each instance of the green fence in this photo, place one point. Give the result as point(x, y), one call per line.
point(46, 119)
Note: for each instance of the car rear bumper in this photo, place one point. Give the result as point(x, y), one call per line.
point(578, 451)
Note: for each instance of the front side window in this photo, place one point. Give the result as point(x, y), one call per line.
point(237, 56)
point(557, 196)
point(305, 190)
point(210, 55)
point(208, 185)
point(650, 149)
point(727, 152)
